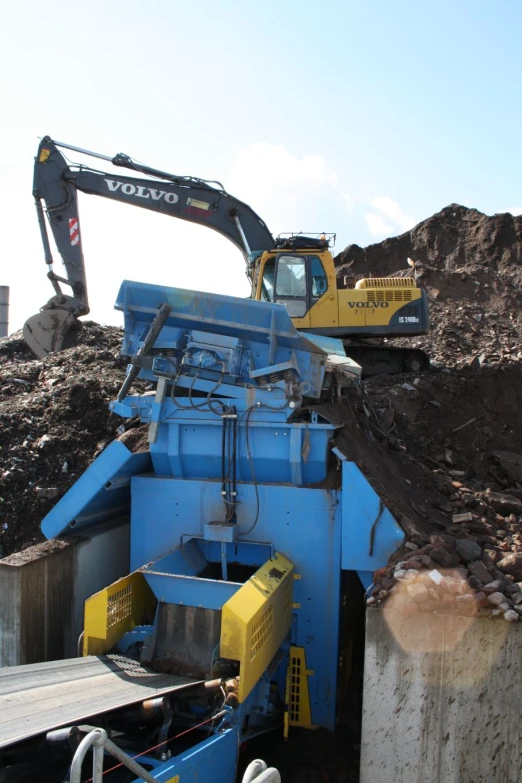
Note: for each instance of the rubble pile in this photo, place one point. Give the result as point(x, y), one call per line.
point(443, 448)
point(53, 420)
point(470, 264)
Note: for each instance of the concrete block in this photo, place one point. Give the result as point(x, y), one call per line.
point(441, 700)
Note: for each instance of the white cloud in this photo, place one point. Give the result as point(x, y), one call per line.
point(272, 166)
point(389, 218)
point(515, 211)
point(377, 226)
point(290, 193)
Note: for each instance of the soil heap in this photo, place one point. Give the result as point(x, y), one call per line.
point(53, 420)
point(444, 448)
point(471, 267)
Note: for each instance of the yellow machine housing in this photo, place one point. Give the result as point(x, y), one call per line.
point(304, 280)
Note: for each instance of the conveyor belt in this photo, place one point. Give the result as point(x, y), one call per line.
point(43, 696)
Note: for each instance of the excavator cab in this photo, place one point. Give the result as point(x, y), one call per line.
point(299, 273)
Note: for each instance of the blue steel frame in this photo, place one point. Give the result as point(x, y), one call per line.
point(174, 507)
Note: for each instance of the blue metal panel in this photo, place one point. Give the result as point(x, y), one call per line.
point(252, 337)
point(186, 560)
point(370, 533)
point(303, 524)
point(211, 761)
point(245, 319)
point(102, 492)
point(189, 590)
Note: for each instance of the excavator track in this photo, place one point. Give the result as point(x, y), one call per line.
point(385, 360)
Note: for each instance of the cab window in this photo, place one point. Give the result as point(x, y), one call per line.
point(319, 279)
point(291, 276)
point(267, 284)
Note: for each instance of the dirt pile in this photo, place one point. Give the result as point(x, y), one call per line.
point(443, 448)
point(53, 420)
point(471, 267)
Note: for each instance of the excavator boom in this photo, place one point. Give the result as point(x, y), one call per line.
point(55, 189)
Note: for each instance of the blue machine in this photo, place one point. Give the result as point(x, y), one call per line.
point(239, 535)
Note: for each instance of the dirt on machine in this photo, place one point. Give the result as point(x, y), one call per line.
point(295, 270)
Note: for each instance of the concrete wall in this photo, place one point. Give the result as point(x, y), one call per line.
point(442, 699)
point(43, 590)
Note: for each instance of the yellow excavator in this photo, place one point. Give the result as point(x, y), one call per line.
point(295, 270)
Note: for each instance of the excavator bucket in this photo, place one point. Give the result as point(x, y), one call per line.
point(49, 331)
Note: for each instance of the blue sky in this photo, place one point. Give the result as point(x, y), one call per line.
point(361, 118)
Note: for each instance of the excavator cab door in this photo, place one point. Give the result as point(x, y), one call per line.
point(296, 281)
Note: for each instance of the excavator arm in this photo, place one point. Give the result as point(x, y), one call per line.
point(55, 188)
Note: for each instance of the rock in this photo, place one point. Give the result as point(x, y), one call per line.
point(489, 557)
point(417, 593)
point(504, 504)
point(512, 464)
point(413, 564)
point(474, 583)
point(517, 599)
point(467, 598)
point(493, 587)
point(468, 550)
point(427, 562)
point(500, 575)
point(505, 606)
point(467, 516)
point(479, 570)
point(456, 586)
point(496, 598)
point(444, 558)
point(511, 616)
point(511, 564)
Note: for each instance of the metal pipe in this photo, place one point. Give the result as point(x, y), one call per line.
point(154, 330)
point(4, 310)
point(83, 152)
point(43, 231)
point(233, 214)
point(96, 738)
point(270, 775)
point(253, 770)
point(134, 767)
point(257, 772)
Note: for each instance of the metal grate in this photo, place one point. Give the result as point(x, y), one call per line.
point(261, 632)
point(119, 605)
point(295, 688)
point(397, 295)
point(386, 282)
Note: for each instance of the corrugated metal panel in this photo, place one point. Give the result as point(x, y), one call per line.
point(44, 696)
